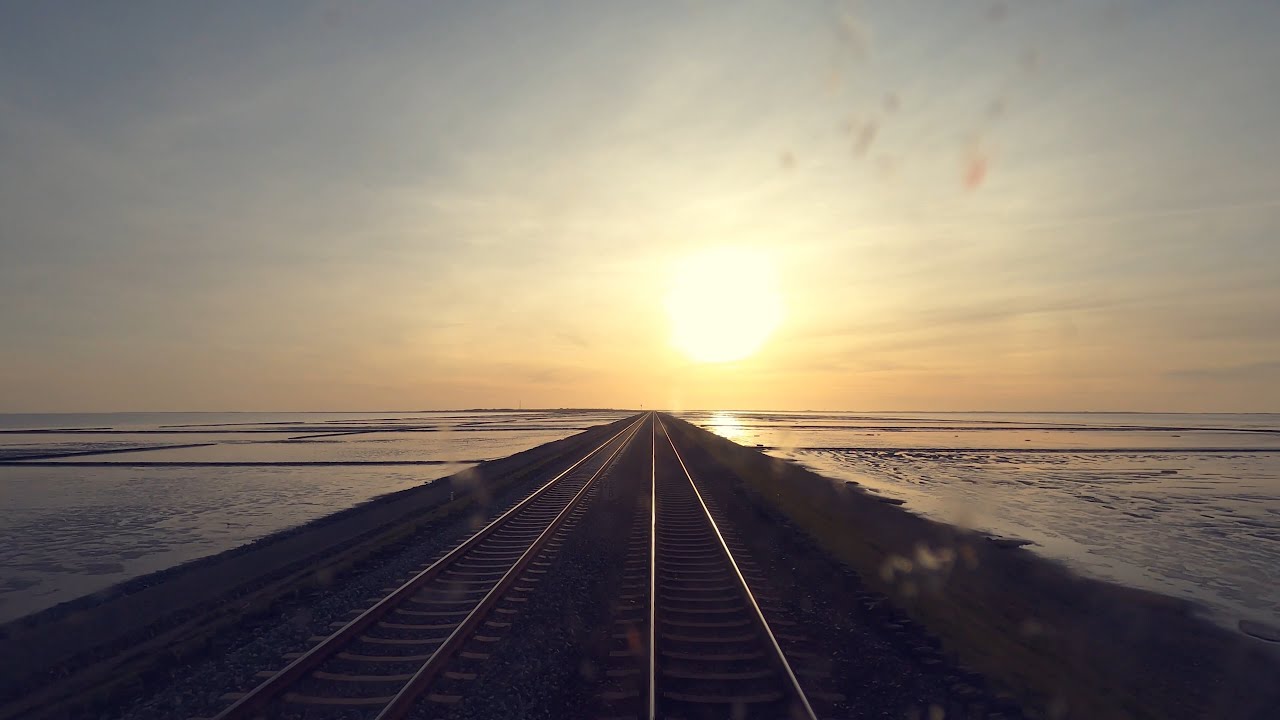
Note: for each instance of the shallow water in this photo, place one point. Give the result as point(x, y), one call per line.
point(98, 518)
point(1186, 505)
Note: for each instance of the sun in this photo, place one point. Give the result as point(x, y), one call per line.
point(723, 304)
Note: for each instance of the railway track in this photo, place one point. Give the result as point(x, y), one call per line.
point(394, 654)
point(696, 634)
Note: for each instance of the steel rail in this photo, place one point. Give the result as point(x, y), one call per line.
point(403, 702)
point(778, 656)
point(270, 689)
point(652, 702)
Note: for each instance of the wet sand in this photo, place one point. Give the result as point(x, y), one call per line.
point(122, 496)
point(93, 640)
point(1072, 647)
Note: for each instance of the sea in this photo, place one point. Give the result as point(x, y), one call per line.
point(1183, 504)
point(1187, 505)
point(91, 500)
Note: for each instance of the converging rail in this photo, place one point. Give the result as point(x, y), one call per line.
point(387, 658)
point(713, 652)
point(691, 639)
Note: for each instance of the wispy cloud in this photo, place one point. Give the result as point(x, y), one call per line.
point(1268, 371)
point(457, 201)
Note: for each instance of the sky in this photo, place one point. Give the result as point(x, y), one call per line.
point(1056, 205)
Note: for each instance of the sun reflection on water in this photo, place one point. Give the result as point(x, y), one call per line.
point(728, 426)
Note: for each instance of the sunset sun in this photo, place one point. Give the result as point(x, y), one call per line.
point(723, 304)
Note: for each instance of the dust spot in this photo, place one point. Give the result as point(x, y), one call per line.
point(929, 559)
point(854, 32)
point(1029, 60)
point(866, 136)
point(834, 81)
point(895, 565)
point(976, 167)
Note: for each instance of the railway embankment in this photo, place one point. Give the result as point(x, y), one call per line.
point(1067, 646)
point(98, 648)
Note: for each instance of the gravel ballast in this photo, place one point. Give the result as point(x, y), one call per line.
point(544, 666)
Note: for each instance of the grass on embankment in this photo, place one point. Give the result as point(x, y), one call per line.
point(1067, 646)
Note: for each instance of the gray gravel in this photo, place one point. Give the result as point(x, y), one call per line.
point(196, 689)
point(541, 668)
point(886, 665)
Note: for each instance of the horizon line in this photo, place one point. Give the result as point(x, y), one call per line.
point(624, 409)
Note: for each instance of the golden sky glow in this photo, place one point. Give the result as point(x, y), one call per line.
point(234, 206)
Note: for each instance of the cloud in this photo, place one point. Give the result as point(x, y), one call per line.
point(235, 191)
point(573, 339)
point(1263, 371)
